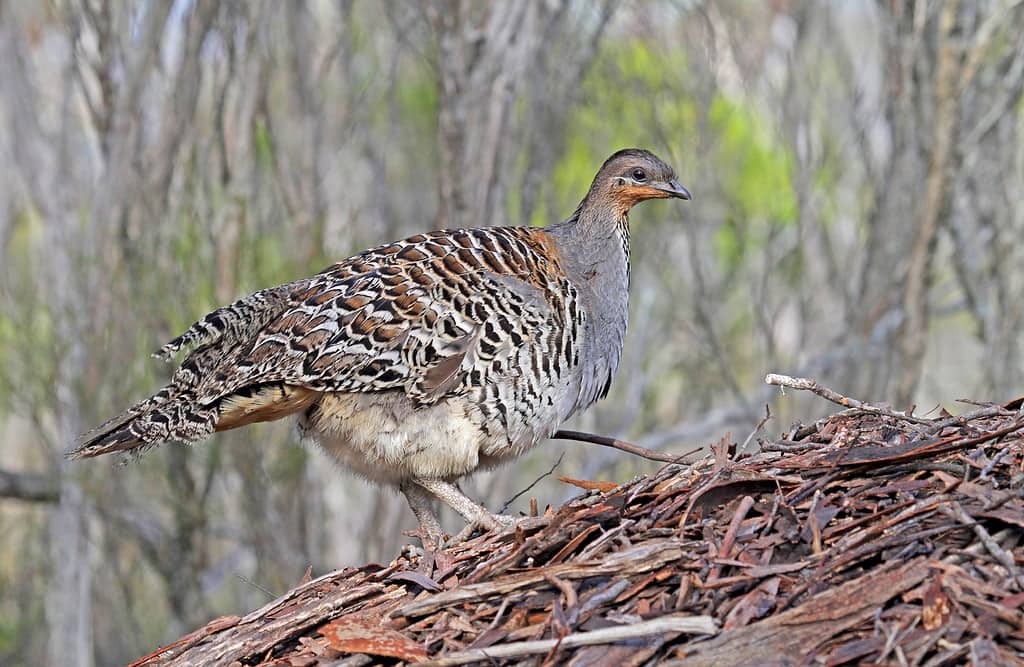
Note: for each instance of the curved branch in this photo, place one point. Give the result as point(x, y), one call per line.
point(622, 445)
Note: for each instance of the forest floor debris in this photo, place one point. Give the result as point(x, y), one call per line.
point(865, 537)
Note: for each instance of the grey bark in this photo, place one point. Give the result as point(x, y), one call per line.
point(31, 487)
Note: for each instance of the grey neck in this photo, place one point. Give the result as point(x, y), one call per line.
point(593, 246)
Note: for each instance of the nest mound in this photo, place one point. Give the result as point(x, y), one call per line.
point(861, 538)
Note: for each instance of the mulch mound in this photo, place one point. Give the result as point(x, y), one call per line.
point(863, 538)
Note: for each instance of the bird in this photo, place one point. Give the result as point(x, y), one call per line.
point(418, 362)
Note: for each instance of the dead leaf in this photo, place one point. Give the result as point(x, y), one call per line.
point(418, 578)
point(753, 605)
point(1013, 601)
point(721, 451)
point(588, 485)
point(221, 623)
point(368, 634)
point(935, 609)
point(1015, 404)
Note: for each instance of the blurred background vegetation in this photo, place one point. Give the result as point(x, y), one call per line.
point(857, 170)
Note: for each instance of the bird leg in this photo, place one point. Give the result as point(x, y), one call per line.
point(476, 515)
point(430, 532)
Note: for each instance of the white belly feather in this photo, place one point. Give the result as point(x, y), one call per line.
point(384, 438)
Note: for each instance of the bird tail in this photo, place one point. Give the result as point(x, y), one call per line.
point(170, 414)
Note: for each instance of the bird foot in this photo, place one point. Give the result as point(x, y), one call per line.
point(431, 540)
point(485, 522)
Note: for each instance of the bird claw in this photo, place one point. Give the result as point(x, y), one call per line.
point(486, 522)
point(500, 521)
point(432, 541)
point(417, 490)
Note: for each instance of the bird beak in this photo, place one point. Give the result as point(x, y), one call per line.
point(673, 189)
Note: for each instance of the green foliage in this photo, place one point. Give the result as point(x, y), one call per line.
point(417, 100)
point(629, 94)
point(754, 172)
point(264, 261)
point(9, 633)
point(634, 94)
point(288, 464)
point(8, 337)
point(754, 176)
point(22, 564)
point(264, 144)
point(826, 181)
point(26, 321)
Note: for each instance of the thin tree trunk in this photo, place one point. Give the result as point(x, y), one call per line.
point(936, 200)
point(69, 602)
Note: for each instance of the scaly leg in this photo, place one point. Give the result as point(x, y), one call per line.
point(431, 534)
point(476, 515)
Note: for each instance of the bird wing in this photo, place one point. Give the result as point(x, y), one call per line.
point(419, 315)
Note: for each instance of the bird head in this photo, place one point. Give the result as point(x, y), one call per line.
point(633, 175)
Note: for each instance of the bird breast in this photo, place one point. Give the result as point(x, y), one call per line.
point(600, 276)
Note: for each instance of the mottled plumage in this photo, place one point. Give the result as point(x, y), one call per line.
point(419, 361)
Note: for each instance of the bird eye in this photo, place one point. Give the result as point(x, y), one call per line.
point(639, 175)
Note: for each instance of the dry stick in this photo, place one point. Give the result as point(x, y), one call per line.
point(787, 446)
point(809, 384)
point(760, 425)
point(992, 465)
point(987, 411)
point(272, 596)
point(956, 511)
point(697, 625)
point(975, 549)
point(730, 535)
point(567, 590)
point(636, 450)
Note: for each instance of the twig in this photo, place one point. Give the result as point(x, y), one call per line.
point(272, 596)
point(532, 484)
point(992, 465)
point(956, 511)
point(697, 625)
point(987, 411)
point(498, 616)
point(565, 587)
point(757, 429)
point(636, 450)
point(725, 551)
point(811, 385)
point(998, 500)
point(787, 446)
point(975, 549)
point(981, 404)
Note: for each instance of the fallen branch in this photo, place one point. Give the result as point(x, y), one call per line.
point(694, 625)
point(636, 450)
point(986, 411)
point(811, 385)
point(29, 486)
